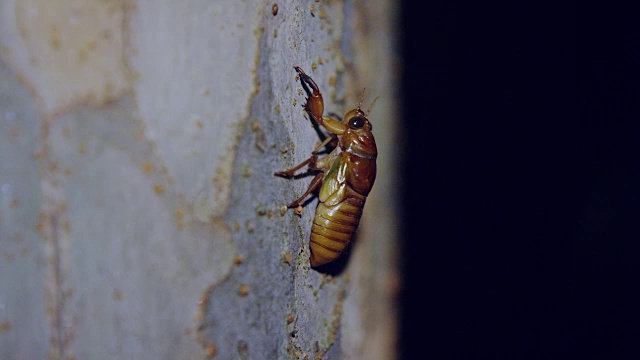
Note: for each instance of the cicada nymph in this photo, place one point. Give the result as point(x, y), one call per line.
point(345, 176)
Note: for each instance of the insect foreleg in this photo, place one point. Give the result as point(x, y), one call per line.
point(315, 104)
point(333, 125)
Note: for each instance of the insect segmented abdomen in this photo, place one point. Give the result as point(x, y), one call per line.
point(334, 226)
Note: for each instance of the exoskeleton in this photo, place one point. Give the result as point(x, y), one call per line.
point(345, 176)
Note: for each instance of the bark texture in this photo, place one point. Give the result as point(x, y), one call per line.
point(139, 214)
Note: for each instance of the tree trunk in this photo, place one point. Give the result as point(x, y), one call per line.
point(139, 140)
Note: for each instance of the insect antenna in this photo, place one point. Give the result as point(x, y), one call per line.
point(372, 103)
point(361, 99)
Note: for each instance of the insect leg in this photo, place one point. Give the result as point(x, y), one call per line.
point(315, 184)
point(323, 144)
point(315, 104)
point(288, 174)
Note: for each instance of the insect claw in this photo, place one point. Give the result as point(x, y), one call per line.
point(307, 82)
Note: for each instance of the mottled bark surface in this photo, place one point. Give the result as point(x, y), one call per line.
point(139, 214)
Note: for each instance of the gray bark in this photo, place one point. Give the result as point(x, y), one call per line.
point(139, 214)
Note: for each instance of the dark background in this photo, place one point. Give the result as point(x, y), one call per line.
point(520, 181)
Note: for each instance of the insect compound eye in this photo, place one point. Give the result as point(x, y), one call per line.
point(356, 122)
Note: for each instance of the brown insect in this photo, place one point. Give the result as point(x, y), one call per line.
point(345, 176)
